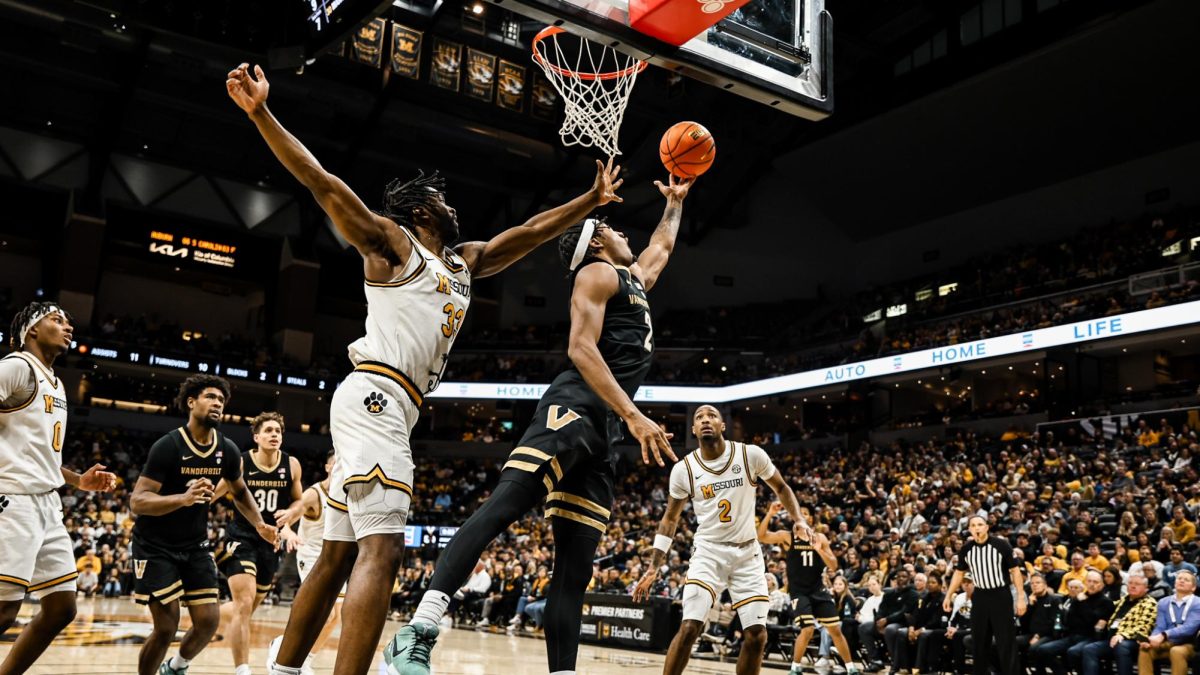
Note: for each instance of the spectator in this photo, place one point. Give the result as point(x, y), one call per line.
point(1131, 622)
point(1176, 565)
point(1042, 616)
point(1175, 627)
point(1078, 572)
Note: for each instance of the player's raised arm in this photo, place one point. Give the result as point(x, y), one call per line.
point(663, 538)
point(785, 494)
point(769, 536)
point(653, 260)
point(365, 230)
point(486, 258)
point(594, 285)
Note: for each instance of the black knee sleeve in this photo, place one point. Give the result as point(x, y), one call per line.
point(574, 550)
point(508, 503)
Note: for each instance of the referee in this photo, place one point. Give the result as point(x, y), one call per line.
point(991, 563)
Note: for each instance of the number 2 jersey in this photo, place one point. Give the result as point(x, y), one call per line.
point(722, 491)
point(271, 488)
point(33, 419)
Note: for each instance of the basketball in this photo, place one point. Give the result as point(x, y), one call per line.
point(687, 149)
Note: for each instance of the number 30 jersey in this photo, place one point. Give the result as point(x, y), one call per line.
point(722, 491)
point(271, 488)
point(413, 318)
point(33, 419)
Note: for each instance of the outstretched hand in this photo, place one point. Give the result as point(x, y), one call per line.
point(248, 91)
point(676, 187)
point(96, 479)
point(605, 187)
point(653, 440)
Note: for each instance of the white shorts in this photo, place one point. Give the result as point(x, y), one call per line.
point(370, 491)
point(716, 567)
point(304, 565)
point(36, 553)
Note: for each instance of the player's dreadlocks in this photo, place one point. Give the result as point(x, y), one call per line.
point(21, 322)
point(569, 239)
point(399, 199)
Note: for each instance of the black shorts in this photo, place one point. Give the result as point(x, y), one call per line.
point(241, 554)
point(811, 609)
point(166, 575)
point(567, 452)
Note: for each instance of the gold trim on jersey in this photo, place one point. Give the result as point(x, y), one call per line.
point(691, 478)
point(15, 581)
point(278, 461)
point(336, 504)
point(38, 365)
point(377, 474)
point(577, 517)
point(746, 465)
point(522, 466)
point(187, 439)
point(703, 585)
point(450, 265)
point(753, 598)
point(580, 501)
point(400, 282)
point(32, 396)
point(24, 405)
point(532, 452)
point(700, 461)
point(200, 596)
point(414, 393)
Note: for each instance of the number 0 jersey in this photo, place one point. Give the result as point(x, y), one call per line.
point(412, 319)
point(722, 491)
point(33, 419)
point(271, 488)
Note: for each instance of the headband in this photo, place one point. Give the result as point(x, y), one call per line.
point(581, 246)
point(33, 321)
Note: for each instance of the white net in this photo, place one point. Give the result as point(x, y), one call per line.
point(594, 81)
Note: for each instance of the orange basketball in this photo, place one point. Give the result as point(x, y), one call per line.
point(687, 149)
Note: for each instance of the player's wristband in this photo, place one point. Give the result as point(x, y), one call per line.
point(662, 542)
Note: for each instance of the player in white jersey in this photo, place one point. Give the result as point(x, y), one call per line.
point(417, 290)
point(719, 478)
point(36, 553)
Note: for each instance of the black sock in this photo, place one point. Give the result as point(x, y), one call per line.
point(574, 550)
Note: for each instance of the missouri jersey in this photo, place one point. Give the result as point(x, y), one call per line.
point(174, 461)
point(627, 336)
point(271, 488)
point(722, 491)
point(312, 530)
point(805, 569)
point(412, 319)
point(33, 419)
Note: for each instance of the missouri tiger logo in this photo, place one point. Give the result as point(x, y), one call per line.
point(375, 403)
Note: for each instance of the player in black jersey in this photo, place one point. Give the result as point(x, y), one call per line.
point(566, 454)
point(273, 478)
point(808, 557)
point(171, 557)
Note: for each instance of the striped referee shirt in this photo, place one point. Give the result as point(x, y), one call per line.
point(989, 562)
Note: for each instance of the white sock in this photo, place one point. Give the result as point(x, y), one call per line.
point(276, 669)
point(178, 662)
point(433, 606)
point(243, 669)
point(563, 672)
point(797, 665)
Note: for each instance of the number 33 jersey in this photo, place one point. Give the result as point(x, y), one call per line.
point(722, 491)
point(413, 318)
point(33, 419)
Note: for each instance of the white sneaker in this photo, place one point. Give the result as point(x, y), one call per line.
point(483, 623)
point(447, 622)
point(515, 621)
point(823, 663)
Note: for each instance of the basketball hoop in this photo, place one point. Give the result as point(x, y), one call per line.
point(595, 82)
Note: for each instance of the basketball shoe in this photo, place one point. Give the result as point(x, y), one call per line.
point(408, 652)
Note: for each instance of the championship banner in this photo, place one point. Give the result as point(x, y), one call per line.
point(447, 57)
point(545, 99)
point(406, 51)
point(481, 74)
point(367, 44)
point(617, 621)
point(510, 94)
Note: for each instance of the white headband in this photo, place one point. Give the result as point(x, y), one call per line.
point(585, 238)
point(52, 309)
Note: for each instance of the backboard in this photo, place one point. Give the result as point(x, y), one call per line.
point(777, 52)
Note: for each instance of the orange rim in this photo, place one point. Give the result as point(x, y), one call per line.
point(550, 31)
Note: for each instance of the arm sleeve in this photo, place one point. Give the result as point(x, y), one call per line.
point(231, 467)
point(760, 463)
point(161, 461)
point(16, 379)
point(681, 484)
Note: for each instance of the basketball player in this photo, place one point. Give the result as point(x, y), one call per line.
point(808, 556)
point(273, 478)
point(566, 455)
point(171, 557)
point(312, 533)
point(36, 556)
point(417, 291)
point(720, 478)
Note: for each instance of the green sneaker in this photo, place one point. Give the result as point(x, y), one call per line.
point(165, 669)
point(408, 652)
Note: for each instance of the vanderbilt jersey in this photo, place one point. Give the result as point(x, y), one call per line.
point(627, 336)
point(722, 491)
point(33, 419)
point(271, 488)
point(805, 569)
point(312, 530)
point(412, 319)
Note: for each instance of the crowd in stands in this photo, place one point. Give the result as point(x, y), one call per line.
point(1092, 520)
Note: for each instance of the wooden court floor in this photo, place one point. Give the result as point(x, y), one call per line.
point(106, 637)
